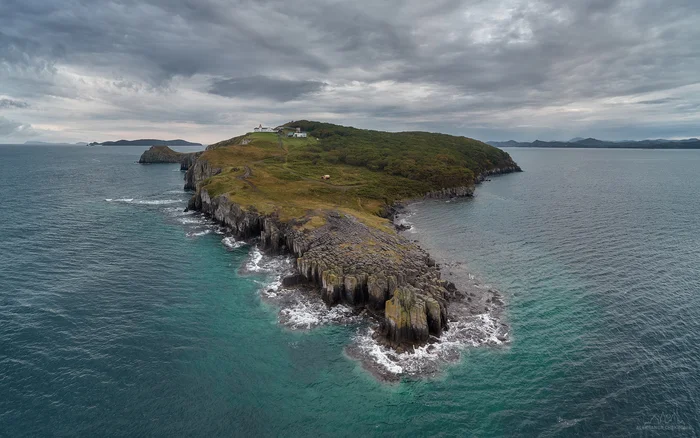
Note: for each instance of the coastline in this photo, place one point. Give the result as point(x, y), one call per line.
point(475, 310)
point(477, 316)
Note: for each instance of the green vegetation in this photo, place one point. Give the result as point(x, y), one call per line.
point(368, 169)
point(440, 160)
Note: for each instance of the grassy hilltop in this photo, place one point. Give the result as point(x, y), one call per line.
point(369, 170)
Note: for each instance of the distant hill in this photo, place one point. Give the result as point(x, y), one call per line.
point(690, 143)
point(146, 142)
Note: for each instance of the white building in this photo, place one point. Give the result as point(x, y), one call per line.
point(261, 128)
point(299, 134)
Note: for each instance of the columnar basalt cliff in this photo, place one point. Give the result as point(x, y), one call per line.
point(351, 263)
point(348, 261)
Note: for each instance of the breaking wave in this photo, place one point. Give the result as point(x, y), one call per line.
point(430, 359)
point(402, 219)
point(301, 308)
point(231, 243)
point(198, 233)
point(144, 201)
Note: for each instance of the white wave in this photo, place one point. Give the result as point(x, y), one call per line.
point(189, 220)
point(403, 219)
point(256, 256)
point(427, 360)
point(198, 233)
point(231, 243)
point(308, 312)
point(144, 201)
point(157, 201)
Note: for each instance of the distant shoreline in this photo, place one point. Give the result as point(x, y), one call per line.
point(592, 143)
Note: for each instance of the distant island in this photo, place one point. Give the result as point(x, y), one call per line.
point(690, 143)
point(146, 142)
point(327, 194)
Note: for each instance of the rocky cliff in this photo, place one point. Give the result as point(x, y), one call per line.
point(351, 263)
point(163, 154)
point(347, 261)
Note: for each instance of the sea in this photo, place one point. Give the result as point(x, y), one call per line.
point(123, 315)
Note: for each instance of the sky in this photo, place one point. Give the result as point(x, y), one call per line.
point(208, 70)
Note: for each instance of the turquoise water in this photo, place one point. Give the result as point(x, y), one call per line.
point(120, 315)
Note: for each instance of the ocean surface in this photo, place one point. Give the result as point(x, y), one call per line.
point(122, 315)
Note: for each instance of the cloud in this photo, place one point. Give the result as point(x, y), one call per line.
point(11, 128)
point(10, 103)
point(210, 69)
point(264, 87)
point(659, 101)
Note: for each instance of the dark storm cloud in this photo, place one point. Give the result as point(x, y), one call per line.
point(262, 86)
point(451, 65)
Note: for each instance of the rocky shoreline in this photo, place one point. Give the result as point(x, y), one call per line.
point(387, 276)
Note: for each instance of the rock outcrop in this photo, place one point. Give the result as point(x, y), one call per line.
point(497, 171)
point(163, 154)
point(467, 191)
point(198, 172)
point(347, 261)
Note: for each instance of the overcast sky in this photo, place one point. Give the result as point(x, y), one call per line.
point(206, 70)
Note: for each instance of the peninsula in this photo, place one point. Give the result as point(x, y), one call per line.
point(326, 194)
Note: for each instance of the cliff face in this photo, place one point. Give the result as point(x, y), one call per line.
point(353, 264)
point(163, 154)
point(348, 261)
point(198, 172)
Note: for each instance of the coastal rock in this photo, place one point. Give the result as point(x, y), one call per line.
point(348, 261)
point(163, 154)
point(406, 317)
point(468, 191)
point(188, 160)
point(198, 172)
point(453, 192)
point(497, 171)
point(160, 154)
